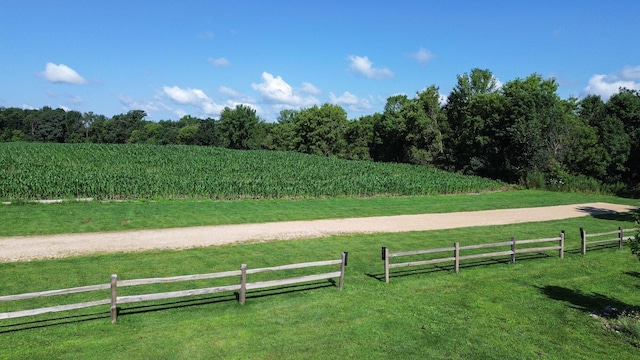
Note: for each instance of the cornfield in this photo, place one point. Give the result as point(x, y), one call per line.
point(54, 171)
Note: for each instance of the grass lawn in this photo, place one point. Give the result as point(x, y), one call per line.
point(78, 217)
point(536, 308)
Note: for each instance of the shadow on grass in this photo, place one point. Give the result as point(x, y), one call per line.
point(62, 320)
point(467, 264)
point(162, 306)
point(581, 301)
point(635, 274)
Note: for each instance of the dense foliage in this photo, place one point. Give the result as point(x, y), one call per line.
point(45, 171)
point(520, 132)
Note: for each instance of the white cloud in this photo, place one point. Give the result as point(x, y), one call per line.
point(237, 97)
point(422, 55)
point(219, 62)
point(276, 91)
point(185, 96)
point(197, 98)
point(228, 91)
point(607, 85)
point(193, 97)
point(131, 104)
point(361, 65)
point(309, 89)
point(352, 102)
point(631, 72)
point(75, 100)
point(62, 74)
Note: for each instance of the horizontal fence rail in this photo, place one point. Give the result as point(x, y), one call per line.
point(620, 238)
point(457, 257)
point(114, 284)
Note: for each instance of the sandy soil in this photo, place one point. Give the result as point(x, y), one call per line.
point(21, 248)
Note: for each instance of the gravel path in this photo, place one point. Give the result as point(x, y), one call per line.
point(22, 248)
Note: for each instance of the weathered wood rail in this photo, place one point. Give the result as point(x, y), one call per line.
point(116, 300)
point(456, 249)
point(620, 238)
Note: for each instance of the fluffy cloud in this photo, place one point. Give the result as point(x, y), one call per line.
point(276, 91)
point(146, 106)
point(62, 74)
point(361, 65)
point(607, 85)
point(219, 62)
point(352, 102)
point(197, 98)
point(422, 56)
point(193, 97)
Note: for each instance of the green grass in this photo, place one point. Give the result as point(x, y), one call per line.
point(32, 219)
point(536, 308)
point(53, 171)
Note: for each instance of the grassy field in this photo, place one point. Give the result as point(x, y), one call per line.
point(72, 217)
point(53, 171)
point(536, 308)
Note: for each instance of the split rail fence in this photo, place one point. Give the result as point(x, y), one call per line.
point(456, 249)
point(116, 300)
point(620, 239)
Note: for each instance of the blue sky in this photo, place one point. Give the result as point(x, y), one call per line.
point(173, 58)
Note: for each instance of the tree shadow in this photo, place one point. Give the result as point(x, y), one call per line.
point(581, 301)
point(607, 214)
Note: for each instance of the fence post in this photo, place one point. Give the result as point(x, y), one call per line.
point(620, 237)
point(513, 250)
point(114, 298)
point(385, 258)
point(345, 257)
point(243, 284)
point(561, 251)
point(456, 255)
point(583, 239)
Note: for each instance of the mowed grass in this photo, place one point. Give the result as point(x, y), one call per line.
point(78, 217)
point(536, 308)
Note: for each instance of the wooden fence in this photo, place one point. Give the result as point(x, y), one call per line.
point(116, 300)
point(620, 238)
point(456, 249)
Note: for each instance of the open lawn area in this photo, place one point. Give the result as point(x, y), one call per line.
point(538, 307)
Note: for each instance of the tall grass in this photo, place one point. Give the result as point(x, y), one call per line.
point(45, 171)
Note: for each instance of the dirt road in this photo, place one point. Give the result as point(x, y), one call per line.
point(42, 247)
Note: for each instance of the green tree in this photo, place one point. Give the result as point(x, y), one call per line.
point(187, 134)
point(410, 130)
point(207, 134)
point(604, 154)
point(472, 112)
point(359, 137)
point(119, 128)
point(625, 106)
point(320, 130)
point(531, 124)
point(238, 127)
point(390, 130)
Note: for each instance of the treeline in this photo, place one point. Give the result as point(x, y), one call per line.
point(520, 132)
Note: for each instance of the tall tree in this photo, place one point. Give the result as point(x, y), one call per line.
point(472, 110)
point(320, 130)
point(625, 106)
point(238, 127)
point(532, 121)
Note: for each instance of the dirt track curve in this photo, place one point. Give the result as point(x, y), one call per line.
point(22, 248)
